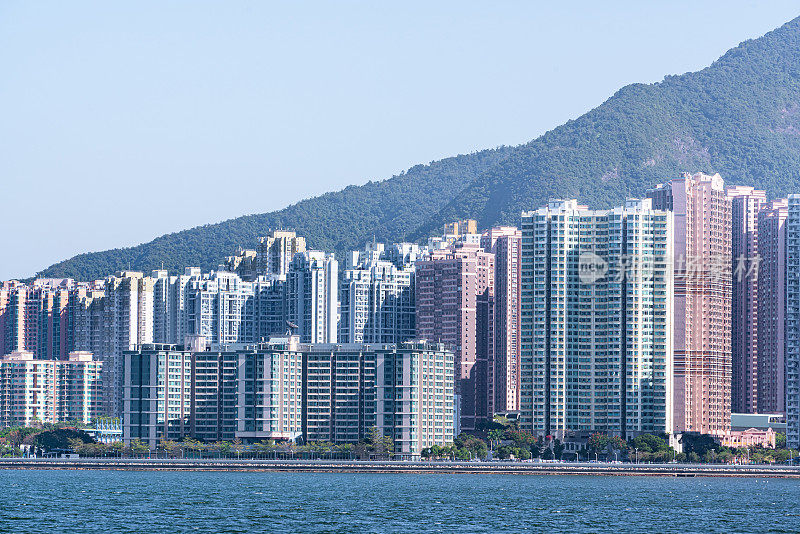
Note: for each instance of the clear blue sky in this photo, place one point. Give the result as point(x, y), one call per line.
point(120, 122)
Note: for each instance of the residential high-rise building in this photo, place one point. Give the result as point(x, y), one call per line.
point(44, 317)
point(221, 308)
point(48, 304)
point(163, 324)
point(283, 389)
point(746, 203)
point(454, 302)
point(792, 344)
point(127, 322)
point(505, 243)
point(244, 263)
point(312, 296)
point(467, 226)
point(376, 300)
point(703, 295)
point(403, 255)
point(214, 393)
point(49, 391)
point(87, 316)
point(157, 385)
point(6, 291)
point(270, 307)
point(772, 307)
point(276, 252)
point(36, 318)
point(270, 391)
point(174, 391)
point(16, 323)
point(596, 324)
point(339, 392)
point(414, 396)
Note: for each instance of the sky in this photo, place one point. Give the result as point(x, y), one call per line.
point(123, 121)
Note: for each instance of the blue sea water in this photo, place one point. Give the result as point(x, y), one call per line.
point(126, 501)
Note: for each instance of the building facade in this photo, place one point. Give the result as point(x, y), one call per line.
point(376, 302)
point(275, 252)
point(771, 307)
point(49, 391)
point(269, 391)
point(127, 323)
point(312, 296)
point(505, 243)
point(454, 306)
point(414, 396)
point(287, 390)
point(792, 344)
point(703, 296)
point(596, 330)
point(220, 307)
point(338, 392)
point(746, 203)
point(157, 393)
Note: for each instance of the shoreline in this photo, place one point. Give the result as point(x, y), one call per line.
point(373, 467)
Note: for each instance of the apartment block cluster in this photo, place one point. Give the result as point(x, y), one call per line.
point(663, 315)
point(286, 390)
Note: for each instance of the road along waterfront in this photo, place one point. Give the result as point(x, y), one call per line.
point(352, 466)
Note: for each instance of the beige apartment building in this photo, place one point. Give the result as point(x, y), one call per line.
point(703, 297)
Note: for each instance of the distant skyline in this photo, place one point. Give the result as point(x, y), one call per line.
point(123, 122)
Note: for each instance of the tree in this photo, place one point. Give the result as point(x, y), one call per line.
point(139, 447)
point(495, 435)
point(698, 443)
point(650, 443)
point(15, 437)
point(169, 447)
point(379, 444)
point(558, 449)
point(473, 446)
point(597, 442)
point(116, 448)
point(58, 438)
point(238, 447)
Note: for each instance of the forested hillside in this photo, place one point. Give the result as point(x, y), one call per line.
point(739, 117)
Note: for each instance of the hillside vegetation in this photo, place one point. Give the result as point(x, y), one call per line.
point(739, 117)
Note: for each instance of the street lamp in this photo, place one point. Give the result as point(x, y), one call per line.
point(637, 455)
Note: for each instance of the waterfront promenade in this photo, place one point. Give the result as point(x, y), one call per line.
point(352, 466)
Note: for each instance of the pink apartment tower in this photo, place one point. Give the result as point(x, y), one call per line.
point(746, 203)
point(454, 301)
point(505, 243)
point(771, 311)
point(702, 307)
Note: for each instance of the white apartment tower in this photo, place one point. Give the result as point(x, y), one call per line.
point(377, 303)
point(128, 322)
point(312, 299)
point(596, 320)
point(792, 346)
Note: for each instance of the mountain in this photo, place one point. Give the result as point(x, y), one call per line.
point(739, 117)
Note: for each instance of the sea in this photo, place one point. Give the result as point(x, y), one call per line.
point(237, 502)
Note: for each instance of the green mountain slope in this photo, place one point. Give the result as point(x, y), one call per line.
point(739, 117)
point(339, 221)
